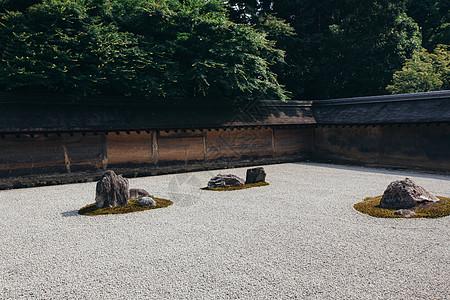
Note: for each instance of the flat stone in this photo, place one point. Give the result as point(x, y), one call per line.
point(225, 180)
point(255, 175)
point(138, 193)
point(404, 212)
point(149, 201)
point(405, 194)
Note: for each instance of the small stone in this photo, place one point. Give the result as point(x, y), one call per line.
point(404, 212)
point(255, 175)
point(405, 194)
point(225, 181)
point(138, 193)
point(111, 190)
point(149, 201)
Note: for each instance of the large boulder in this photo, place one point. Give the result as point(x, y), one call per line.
point(225, 181)
point(403, 194)
point(112, 190)
point(255, 175)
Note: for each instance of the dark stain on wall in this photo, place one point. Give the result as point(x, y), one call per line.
point(422, 147)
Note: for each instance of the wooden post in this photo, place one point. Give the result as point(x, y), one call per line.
point(154, 147)
point(66, 158)
point(205, 145)
point(273, 141)
point(104, 146)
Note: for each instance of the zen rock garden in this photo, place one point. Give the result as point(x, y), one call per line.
point(404, 198)
point(254, 177)
point(404, 195)
point(113, 196)
point(401, 199)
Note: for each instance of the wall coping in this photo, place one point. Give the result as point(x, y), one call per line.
point(56, 113)
point(437, 95)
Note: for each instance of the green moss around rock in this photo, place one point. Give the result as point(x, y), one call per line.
point(239, 187)
point(371, 206)
point(132, 206)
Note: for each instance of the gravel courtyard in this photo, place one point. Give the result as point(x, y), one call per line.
point(298, 238)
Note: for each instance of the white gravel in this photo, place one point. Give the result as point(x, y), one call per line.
point(298, 238)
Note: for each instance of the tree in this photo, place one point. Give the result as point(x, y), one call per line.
point(363, 53)
point(341, 48)
point(433, 18)
point(423, 72)
point(149, 48)
point(17, 5)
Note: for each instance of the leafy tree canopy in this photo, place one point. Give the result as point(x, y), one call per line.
point(424, 72)
point(235, 49)
point(434, 19)
point(19, 5)
point(340, 48)
point(146, 48)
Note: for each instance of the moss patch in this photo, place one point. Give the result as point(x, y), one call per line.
point(239, 187)
point(132, 206)
point(371, 206)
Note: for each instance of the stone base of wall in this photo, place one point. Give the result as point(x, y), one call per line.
point(90, 176)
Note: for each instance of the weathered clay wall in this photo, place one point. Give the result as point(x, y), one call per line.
point(39, 154)
point(411, 146)
point(66, 142)
point(152, 152)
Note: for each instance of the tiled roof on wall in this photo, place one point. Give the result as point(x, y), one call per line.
point(28, 113)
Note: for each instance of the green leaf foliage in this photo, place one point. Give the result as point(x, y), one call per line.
point(19, 5)
point(156, 49)
point(433, 18)
point(340, 48)
point(423, 72)
point(235, 49)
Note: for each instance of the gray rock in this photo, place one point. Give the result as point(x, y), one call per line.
point(149, 201)
point(405, 194)
point(404, 212)
point(138, 193)
point(225, 181)
point(255, 175)
point(111, 190)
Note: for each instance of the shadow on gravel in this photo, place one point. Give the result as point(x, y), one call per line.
point(184, 189)
point(72, 213)
point(377, 170)
point(183, 200)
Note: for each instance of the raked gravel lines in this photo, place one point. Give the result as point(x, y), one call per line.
point(298, 238)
